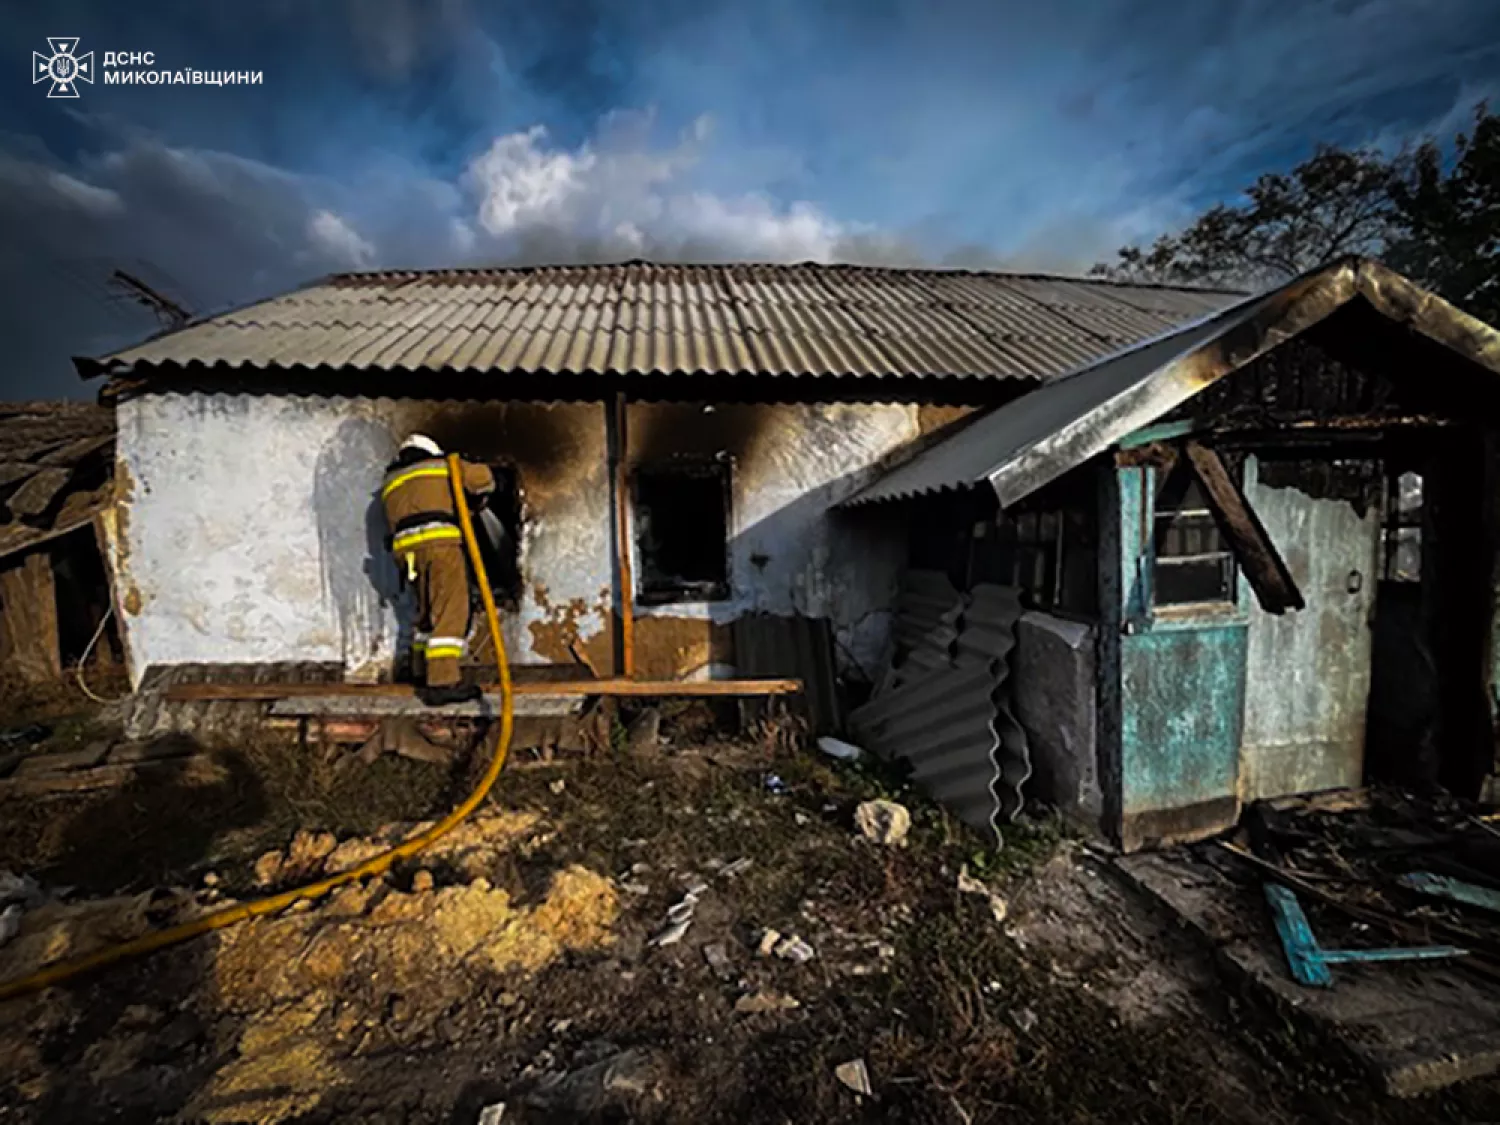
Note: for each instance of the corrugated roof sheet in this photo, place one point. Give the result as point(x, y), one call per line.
point(1018, 447)
point(945, 707)
point(640, 318)
point(56, 469)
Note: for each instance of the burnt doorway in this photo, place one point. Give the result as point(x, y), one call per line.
point(497, 528)
point(1429, 714)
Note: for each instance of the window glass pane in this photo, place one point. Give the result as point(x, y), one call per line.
point(1194, 580)
point(1191, 561)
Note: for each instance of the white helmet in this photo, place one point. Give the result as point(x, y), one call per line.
point(424, 443)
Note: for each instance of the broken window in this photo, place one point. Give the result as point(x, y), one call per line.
point(1192, 563)
point(682, 532)
point(1403, 528)
point(497, 528)
point(1046, 546)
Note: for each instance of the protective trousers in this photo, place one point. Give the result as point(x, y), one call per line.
point(441, 577)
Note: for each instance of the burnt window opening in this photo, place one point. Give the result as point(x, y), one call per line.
point(1401, 534)
point(682, 532)
point(1191, 563)
point(1046, 546)
point(497, 527)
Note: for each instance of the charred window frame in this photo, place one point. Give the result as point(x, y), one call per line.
point(1191, 562)
point(497, 526)
point(1047, 546)
point(1401, 533)
point(682, 524)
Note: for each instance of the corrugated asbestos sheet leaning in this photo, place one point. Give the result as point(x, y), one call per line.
point(944, 704)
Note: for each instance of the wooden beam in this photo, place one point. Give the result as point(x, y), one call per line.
point(28, 598)
point(104, 526)
point(1267, 572)
point(620, 484)
point(185, 693)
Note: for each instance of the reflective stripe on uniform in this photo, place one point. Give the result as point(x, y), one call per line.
point(421, 470)
point(425, 533)
point(439, 647)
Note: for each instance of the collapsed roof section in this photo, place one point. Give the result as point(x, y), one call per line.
point(1021, 446)
point(56, 469)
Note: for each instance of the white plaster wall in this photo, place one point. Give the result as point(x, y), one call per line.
point(806, 459)
point(246, 533)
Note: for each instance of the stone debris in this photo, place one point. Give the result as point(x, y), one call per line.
point(1024, 1019)
point(793, 948)
point(558, 786)
point(969, 885)
point(679, 918)
point(854, 1075)
point(768, 942)
point(421, 882)
point(303, 858)
point(717, 956)
point(757, 1002)
point(492, 1114)
point(472, 849)
point(884, 822)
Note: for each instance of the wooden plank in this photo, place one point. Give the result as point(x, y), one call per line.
point(625, 634)
point(1267, 572)
point(76, 450)
point(184, 693)
point(28, 599)
point(36, 495)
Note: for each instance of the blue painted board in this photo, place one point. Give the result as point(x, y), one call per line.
point(1456, 890)
point(1309, 962)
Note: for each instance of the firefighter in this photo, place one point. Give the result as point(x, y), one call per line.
point(428, 544)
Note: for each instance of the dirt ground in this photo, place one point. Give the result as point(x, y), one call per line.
point(519, 963)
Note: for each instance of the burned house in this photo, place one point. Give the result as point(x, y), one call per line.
point(1255, 556)
point(672, 442)
point(56, 488)
point(1147, 553)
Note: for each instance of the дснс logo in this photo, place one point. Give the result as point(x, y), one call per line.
point(63, 69)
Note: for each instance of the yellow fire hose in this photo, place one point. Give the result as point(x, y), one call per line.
point(147, 943)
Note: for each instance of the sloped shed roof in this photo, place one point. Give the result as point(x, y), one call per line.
point(1018, 447)
point(640, 318)
point(56, 469)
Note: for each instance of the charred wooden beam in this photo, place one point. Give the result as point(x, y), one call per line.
point(1269, 577)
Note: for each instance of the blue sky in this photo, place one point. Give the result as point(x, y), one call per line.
point(392, 133)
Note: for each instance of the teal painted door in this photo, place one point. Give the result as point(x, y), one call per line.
point(1308, 671)
point(1182, 680)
